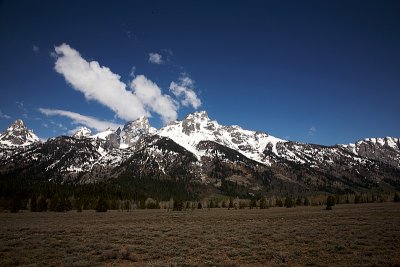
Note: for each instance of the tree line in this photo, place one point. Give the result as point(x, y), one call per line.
point(62, 198)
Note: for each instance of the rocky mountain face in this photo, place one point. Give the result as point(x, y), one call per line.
point(200, 153)
point(18, 135)
point(382, 149)
point(82, 132)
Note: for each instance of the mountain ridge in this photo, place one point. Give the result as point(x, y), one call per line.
point(198, 150)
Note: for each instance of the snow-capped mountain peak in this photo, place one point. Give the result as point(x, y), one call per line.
point(197, 127)
point(82, 132)
point(17, 134)
point(387, 141)
point(102, 135)
point(141, 123)
point(200, 149)
point(133, 130)
point(385, 149)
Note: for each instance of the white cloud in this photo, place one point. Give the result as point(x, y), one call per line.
point(4, 116)
point(98, 83)
point(150, 95)
point(155, 58)
point(312, 130)
point(77, 118)
point(184, 90)
point(132, 73)
point(35, 49)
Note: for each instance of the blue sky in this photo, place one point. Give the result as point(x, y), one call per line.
point(322, 72)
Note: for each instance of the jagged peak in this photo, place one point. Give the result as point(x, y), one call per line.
point(19, 122)
point(141, 122)
point(198, 114)
point(381, 141)
point(82, 132)
point(17, 134)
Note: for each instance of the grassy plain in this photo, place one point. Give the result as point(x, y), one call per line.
point(349, 235)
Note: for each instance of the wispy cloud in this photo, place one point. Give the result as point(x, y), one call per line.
point(132, 74)
point(80, 119)
point(168, 51)
point(21, 105)
point(35, 49)
point(99, 83)
point(155, 58)
point(4, 116)
point(184, 89)
point(312, 130)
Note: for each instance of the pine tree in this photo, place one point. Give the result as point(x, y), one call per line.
point(178, 205)
point(223, 204)
point(211, 205)
point(15, 204)
point(289, 203)
point(299, 202)
point(253, 203)
point(263, 203)
point(330, 202)
point(357, 199)
point(102, 205)
point(396, 197)
point(54, 203)
point(33, 204)
point(230, 206)
point(127, 205)
point(306, 201)
point(42, 204)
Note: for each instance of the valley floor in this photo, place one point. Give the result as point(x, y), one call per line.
point(349, 235)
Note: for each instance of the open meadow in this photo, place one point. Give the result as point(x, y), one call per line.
point(348, 235)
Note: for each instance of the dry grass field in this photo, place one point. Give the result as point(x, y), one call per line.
point(349, 235)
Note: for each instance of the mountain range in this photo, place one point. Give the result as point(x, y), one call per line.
point(203, 155)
